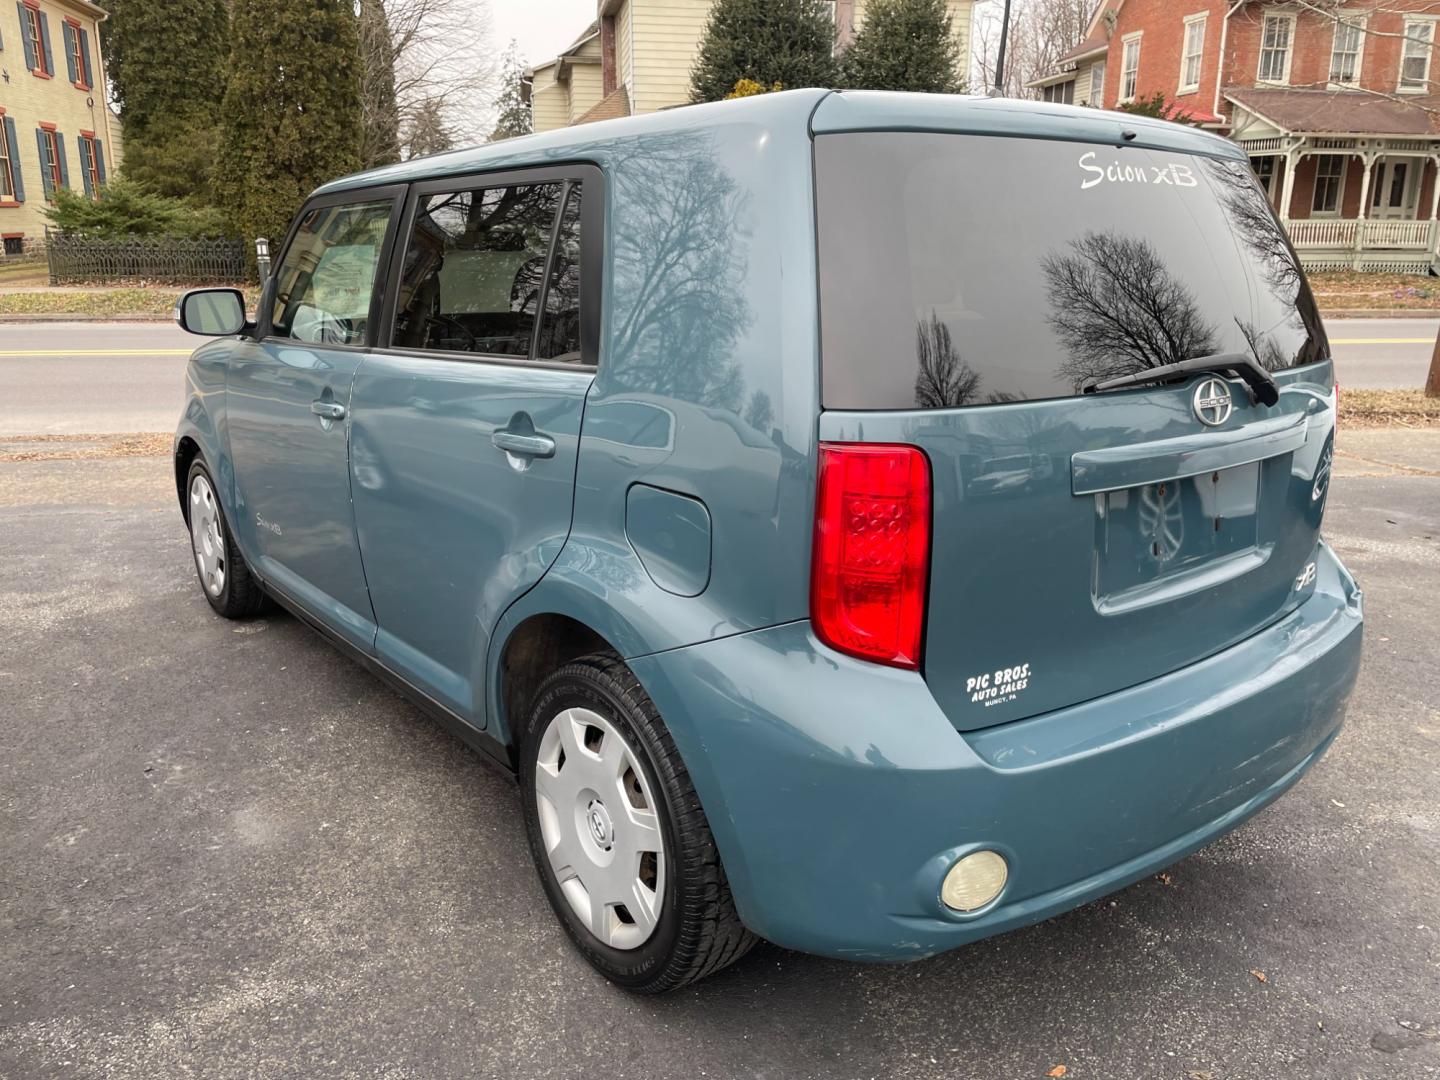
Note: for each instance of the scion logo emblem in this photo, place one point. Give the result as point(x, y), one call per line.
point(1213, 403)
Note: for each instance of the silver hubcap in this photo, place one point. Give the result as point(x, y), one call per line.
point(206, 536)
point(600, 828)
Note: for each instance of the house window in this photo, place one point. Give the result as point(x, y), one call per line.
point(7, 170)
point(1097, 84)
point(1062, 92)
point(1129, 67)
point(77, 53)
point(52, 161)
point(35, 35)
point(1265, 171)
point(1275, 48)
point(1415, 65)
point(14, 245)
point(1329, 179)
point(1345, 54)
point(1194, 53)
point(92, 161)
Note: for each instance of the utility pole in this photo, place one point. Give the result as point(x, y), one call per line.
point(1432, 384)
point(1000, 56)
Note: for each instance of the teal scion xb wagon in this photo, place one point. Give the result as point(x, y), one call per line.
point(867, 522)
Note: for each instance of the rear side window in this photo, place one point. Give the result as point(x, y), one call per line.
point(969, 270)
point(494, 271)
point(325, 283)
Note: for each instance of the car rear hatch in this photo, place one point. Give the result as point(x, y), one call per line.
point(973, 286)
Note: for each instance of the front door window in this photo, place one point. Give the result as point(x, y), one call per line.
point(1392, 193)
point(324, 287)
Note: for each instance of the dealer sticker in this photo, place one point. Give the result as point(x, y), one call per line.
point(998, 687)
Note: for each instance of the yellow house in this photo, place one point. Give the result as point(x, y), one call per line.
point(55, 127)
point(636, 58)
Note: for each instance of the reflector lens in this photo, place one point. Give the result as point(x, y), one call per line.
point(974, 881)
point(872, 551)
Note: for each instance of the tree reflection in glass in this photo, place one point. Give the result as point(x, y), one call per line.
point(1117, 309)
point(943, 380)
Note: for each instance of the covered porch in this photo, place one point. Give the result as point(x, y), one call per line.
point(1350, 198)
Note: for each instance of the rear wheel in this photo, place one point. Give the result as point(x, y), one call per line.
point(224, 578)
point(623, 849)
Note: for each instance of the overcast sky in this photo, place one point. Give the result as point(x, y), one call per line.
point(541, 27)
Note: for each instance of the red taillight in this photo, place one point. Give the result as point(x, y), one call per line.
point(872, 551)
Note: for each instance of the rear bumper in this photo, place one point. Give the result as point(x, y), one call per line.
point(840, 794)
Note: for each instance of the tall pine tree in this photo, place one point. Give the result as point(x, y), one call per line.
point(904, 45)
point(513, 113)
point(790, 42)
point(291, 116)
point(166, 64)
point(379, 109)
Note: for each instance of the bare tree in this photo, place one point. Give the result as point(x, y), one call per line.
point(943, 380)
point(437, 54)
point(379, 109)
point(1118, 309)
point(1041, 31)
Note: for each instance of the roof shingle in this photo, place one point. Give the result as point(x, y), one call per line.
point(1341, 112)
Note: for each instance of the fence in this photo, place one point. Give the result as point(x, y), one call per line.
point(171, 261)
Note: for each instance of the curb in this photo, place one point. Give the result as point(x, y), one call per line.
point(1379, 313)
point(50, 317)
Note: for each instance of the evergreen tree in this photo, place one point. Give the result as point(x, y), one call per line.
point(379, 109)
point(904, 45)
point(291, 116)
point(166, 62)
point(514, 113)
point(790, 42)
point(427, 131)
point(1158, 106)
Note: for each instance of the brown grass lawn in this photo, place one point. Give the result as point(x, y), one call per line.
point(1350, 289)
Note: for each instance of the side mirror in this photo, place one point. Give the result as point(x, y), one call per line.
point(212, 312)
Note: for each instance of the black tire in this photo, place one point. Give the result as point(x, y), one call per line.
point(240, 596)
point(698, 932)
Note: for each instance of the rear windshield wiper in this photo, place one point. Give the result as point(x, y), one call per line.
point(1261, 383)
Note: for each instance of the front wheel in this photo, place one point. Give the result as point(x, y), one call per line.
point(224, 578)
point(621, 843)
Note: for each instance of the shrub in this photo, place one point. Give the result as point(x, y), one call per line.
point(124, 208)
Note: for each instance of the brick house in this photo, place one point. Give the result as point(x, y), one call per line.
point(1337, 107)
point(637, 55)
point(55, 127)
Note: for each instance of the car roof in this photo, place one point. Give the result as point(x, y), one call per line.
point(799, 114)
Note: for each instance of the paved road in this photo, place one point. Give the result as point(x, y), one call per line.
point(88, 378)
point(1385, 354)
point(91, 378)
point(225, 851)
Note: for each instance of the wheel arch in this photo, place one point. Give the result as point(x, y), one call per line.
point(187, 449)
point(539, 644)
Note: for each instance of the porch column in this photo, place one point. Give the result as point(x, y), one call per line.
point(1287, 186)
point(1434, 245)
point(1364, 213)
point(1369, 160)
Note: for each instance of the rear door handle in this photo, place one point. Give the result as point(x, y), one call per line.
point(328, 410)
point(535, 446)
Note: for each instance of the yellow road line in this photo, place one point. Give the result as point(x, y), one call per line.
point(1382, 341)
point(96, 352)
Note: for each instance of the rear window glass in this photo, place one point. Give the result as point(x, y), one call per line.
point(971, 270)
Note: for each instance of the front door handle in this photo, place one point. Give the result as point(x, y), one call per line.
point(535, 446)
point(328, 410)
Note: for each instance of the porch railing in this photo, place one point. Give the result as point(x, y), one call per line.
point(1362, 235)
point(1322, 232)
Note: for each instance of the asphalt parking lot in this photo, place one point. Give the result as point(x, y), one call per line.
point(225, 851)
